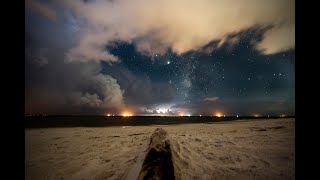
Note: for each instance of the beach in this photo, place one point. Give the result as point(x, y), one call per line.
point(242, 149)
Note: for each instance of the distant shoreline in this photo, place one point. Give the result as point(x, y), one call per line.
point(105, 121)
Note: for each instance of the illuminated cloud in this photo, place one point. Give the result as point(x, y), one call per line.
point(107, 93)
point(278, 39)
point(211, 98)
point(182, 25)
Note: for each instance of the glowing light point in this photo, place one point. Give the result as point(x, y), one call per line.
point(126, 114)
point(237, 115)
point(168, 62)
point(218, 114)
point(200, 115)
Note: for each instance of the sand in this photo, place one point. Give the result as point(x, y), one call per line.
point(246, 149)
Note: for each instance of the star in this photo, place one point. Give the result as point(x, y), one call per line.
point(168, 62)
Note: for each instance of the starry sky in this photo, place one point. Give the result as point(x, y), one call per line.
point(160, 57)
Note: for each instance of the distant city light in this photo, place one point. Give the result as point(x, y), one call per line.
point(189, 115)
point(108, 114)
point(200, 115)
point(126, 114)
point(256, 115)
point(218, 114)
point(237, 115)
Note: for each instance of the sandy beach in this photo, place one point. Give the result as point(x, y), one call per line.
point(244, 149)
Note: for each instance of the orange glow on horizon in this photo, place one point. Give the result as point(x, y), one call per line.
point(126, 114)
point(218, 114)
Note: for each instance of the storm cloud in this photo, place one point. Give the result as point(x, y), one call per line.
point(69, 87)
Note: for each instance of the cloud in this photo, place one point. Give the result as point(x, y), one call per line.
point(70, 88)
point(42, 9)
point(159, 109)
point(181, 25)
point(99, 92)
point(85, 52)
point(278, 39)
point(211, 98)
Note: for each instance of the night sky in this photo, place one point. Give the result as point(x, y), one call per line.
point(160, 57)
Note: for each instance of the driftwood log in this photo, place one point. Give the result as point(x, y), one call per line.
point(158, 163)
